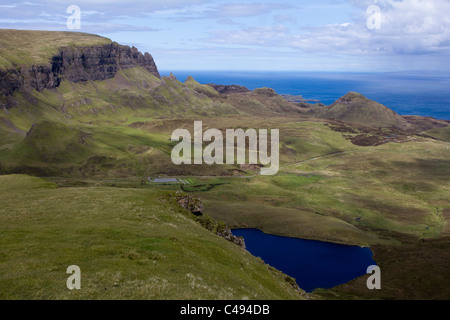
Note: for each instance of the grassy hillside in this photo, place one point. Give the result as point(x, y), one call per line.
point(327, 188)
point(355, 108)
point(440, 133)
point(414, 270)
point(25, 47)
point(129, 243)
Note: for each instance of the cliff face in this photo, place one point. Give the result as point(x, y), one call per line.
point(75, 64)
point(100, 63)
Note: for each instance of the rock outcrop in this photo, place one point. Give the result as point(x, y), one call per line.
point(75, 64)
point(196, 207)
point(228, 235)
point(269, 92)
point(193, 205)
point(100, 63)
point(228, 89)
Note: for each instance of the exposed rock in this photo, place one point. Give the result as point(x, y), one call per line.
point(269, 92)
point(172, 77)
point(228, 89)
point(7, 102)
point(99, 62)
point(9, 81)
point(251, 167)
point(81, 102)
point(193, 205)
point(298, 99)
point(31, 130)
point(196, 207)
point(228, 235)
point(75, 64)
point(345, 101)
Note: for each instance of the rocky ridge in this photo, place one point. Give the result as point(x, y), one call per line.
point(75, 64)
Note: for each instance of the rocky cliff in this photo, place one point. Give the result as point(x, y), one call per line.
point(74, 64)
point(196, 207)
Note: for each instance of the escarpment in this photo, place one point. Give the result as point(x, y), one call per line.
point(75, 64)
point(196, 207)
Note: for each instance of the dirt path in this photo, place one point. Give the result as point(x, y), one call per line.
point(283, 167)
point(316, 158)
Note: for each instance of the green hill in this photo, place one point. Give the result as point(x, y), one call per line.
point(355, 108)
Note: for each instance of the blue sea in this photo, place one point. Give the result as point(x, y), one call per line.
point(407, 93)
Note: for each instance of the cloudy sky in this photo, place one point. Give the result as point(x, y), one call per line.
point(301, 35)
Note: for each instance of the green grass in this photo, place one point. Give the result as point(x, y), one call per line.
point(129, 244)
point(203, 89)
point(355, 108)
point(292, 182)
point(391, 188)
point(285, 221)
point(440, 133)
point(25, 47)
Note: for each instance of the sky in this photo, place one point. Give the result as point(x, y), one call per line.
point(259, 35)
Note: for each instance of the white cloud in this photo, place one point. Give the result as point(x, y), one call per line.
point(407, 27)
point(266, 36)
point(112, 9)
point(235, 10)
point(227, 22)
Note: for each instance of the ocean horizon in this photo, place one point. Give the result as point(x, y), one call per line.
point(407, 93)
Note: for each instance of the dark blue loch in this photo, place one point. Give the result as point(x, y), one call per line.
point(313, 264)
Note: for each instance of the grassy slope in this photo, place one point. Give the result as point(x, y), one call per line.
point(440, 133)
point(24, 47)
point(415, 270)
point(393, 187)
point(100, 118)
point(129, 244)
point(355, 108)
